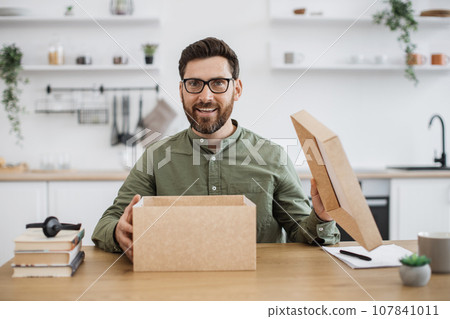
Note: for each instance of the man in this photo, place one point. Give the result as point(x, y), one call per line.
point(216, 156)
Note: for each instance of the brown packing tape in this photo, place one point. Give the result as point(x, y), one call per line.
point(194, 233)
point(337, 184)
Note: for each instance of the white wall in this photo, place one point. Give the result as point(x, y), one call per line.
point(381, 118)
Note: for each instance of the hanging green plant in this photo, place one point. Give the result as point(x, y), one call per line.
point(10, 66)
point(400, 17)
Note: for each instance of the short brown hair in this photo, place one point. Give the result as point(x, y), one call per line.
point(207, 48)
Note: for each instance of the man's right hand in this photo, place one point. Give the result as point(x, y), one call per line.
point(124, 229)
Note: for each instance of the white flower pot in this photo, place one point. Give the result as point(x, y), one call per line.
point(415, 276)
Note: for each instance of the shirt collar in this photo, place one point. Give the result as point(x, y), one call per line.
point(226, 142)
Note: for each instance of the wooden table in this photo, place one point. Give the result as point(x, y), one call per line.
point(284, 272)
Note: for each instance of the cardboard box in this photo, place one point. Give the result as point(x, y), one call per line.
point(194, 233)
point(337, 184)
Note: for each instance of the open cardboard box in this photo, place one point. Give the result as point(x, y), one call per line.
point(194, 233)
point(337, 184)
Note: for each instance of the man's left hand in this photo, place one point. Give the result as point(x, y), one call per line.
point(317, 203)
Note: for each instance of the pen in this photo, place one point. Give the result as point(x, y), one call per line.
point(345, 252)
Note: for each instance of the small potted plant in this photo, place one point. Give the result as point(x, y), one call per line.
point(69, 11)
point(149, 52)
point(415, 270)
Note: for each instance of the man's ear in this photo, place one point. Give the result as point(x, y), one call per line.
point(237, 89)
point(181, 90)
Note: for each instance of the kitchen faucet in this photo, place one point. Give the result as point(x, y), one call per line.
point(443, 158)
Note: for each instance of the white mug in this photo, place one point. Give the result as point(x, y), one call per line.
point(381, 58)
point(357, 58)
point(436, 246)
point(293, 57)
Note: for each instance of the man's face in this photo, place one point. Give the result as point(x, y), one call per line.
point(206, 111)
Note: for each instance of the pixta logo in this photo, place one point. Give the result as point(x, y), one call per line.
point(148, 141)
point(151, 142)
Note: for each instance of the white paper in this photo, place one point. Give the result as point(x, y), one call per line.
point(382, 256)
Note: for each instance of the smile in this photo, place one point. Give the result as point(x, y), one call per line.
point(205, 110)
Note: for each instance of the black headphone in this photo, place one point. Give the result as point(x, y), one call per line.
point(51, 226)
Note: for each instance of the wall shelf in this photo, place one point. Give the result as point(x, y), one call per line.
point(361, 67)
point(423, 21)
point(68, 67)
point(75, 19)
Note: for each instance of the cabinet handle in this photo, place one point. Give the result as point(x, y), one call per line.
point(448, 194)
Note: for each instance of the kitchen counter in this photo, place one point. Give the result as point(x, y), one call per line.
point(390, 173)
point(65, 175)
point(74, 175)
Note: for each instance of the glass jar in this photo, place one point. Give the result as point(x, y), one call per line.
point(122, 7)
point(56, 54)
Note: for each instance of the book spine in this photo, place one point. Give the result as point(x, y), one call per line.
point(78, 238)
point(77, 262)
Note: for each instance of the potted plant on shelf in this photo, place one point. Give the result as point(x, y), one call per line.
point(415, 270)
point(400, 17)
point(149, 52)
point(10, 66)
point(69, 11)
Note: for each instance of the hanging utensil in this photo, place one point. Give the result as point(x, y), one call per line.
point(159, 119)
point(126, 119)
point(140, 123)
point(115, 136)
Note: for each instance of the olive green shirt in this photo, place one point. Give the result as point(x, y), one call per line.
point(245, 163)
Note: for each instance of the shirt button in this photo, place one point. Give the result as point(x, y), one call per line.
point(213, 158)
point(202, 140)
point(320, 228)
point(214, 188)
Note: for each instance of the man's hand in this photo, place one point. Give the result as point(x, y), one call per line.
point(317, 203)
point(124, 229)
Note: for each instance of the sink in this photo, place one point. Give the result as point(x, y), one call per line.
point(421, 168)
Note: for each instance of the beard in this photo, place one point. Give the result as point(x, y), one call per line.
point(208, 124)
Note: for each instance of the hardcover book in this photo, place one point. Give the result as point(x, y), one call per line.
point(46, 257)
point(49, 270)
point(34, 239)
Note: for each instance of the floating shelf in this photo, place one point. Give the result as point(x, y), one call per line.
point(360, 67)
point(74, 19)
point(434, 21)
point(56, 68)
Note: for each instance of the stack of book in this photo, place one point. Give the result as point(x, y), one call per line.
point(35, 255)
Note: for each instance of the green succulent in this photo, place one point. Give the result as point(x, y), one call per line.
point(414, 260)
point(400, 17)
point(10, 66)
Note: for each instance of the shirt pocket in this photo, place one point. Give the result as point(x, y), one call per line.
point(259, 192)
point(242, 188)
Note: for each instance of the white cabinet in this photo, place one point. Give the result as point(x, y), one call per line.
point(20, 203)
point(419, 205)
point(71, 201)
point(81, 202)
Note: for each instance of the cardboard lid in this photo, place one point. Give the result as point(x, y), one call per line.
point(337, 184)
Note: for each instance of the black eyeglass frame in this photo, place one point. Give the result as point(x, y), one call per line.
point(207, 83)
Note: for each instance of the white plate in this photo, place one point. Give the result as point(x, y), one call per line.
point(14, 11)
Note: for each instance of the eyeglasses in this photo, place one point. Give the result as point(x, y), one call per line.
point(195, 86)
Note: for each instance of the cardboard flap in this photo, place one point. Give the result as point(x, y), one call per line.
point(337, 184)
point(231, 200)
